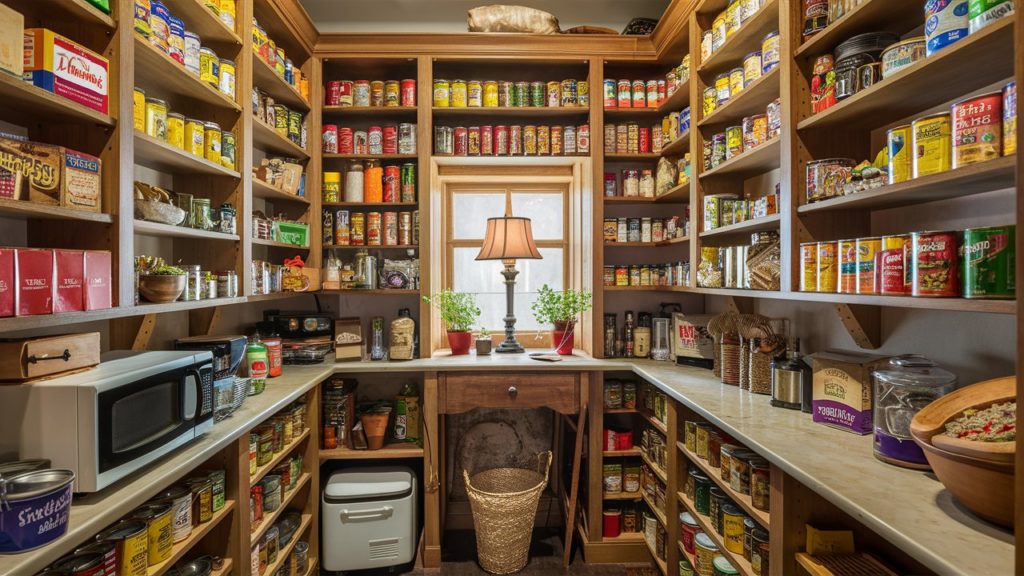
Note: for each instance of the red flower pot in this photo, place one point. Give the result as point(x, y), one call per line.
point(460, 342)
point(564, 337)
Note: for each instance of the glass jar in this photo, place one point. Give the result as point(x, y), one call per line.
point(354, 182)
point(228, 220)
point(646, 184)
point(631, 183)
point(193, 283)
point(902, 388)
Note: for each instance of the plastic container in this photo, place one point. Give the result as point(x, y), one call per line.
point(906, 385)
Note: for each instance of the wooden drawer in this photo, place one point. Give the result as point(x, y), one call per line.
point(463, 391)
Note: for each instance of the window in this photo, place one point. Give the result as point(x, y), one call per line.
point(470, 206)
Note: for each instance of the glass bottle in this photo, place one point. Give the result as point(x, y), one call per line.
point(405, 313)
point(627, 335)
point(642, 336)
point(610, 333)
point(258, 363)
point(377, 351)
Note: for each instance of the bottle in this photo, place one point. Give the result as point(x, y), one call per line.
point(258, 363)
point(791, 380)
point(642, 336)
point(405, 313)
point(401, 418)
point(377, 350)
point(627, 335)
point(275, 355)
point(411, 394)
point(610, 332)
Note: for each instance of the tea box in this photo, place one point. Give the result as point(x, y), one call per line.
point(97, 276)
point(12, 30)
point(34, 281)
point(841, 396)
point(49, 175)
point(6, 282)
point(55, 63)
point(68, 288)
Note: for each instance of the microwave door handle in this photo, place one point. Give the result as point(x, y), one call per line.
point(192, 395)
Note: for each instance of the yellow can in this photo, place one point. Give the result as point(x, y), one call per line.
point(131, 538)
point(722, 91)
point(209, 67)
point(211, 133)
point(195, 137)
point(156, 118)
point(933, 146)
point(751, 67)
point(491, 94)
point(898, 141)
point(227, 13)
point(226, 77)
point(139, 109)
point(442, 93)
point(176, 130)
point(474, 94)
point(332, 187)
point(732, 19)
point(583, 93)
point(736, 81)
point(1010, 119)
point(159, 530)
point(828, 270)
point(459, 94)
point(377, 93)
point(710, 100)
point(392, 93)
point(867, 248)
point(847, 266)
point(809, 267)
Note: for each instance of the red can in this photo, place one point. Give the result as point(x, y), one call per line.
point(624, 441)
point(408, 94)
point(345, 145)
point(373, 229)
point(392, 183)
point(391, 228)
point(83, 564)
point(487, 140)
point(610, 440)
point(390, 145)
point(333, 97)
point(501, 140)
point(375, 140)
point(461, 141)
point(515, 141)
point(275, 355)
point(890, 262)
point(583, 139)
point(556, 141)
point(644, 140)
point(934, 264)
point(474, 140)
point(330, 138)
point(345, 89)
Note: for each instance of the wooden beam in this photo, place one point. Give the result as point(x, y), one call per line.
point(864, 323)
point(432, 463)
point(203, 322)
point(145, 332)
point(465, 46)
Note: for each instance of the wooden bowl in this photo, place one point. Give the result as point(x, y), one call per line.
point(978, 474)
point(161, 289)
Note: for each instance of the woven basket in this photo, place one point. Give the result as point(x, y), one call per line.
point(504, 503)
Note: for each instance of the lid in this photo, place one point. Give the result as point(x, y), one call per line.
point(698, 475)
point(175, 492)
point(376, 482)
point(199, 567)
point(913, 370)
point(100, 547)
point(716, 492)
point(9, 469)
point(79, 562)
point(730, 510)
point(152, 511)
point(759, 535)
point(122, 530)
point(687, 518)
point(748, 524)
point(33, 484)
point(722, 566)
point(704, 541)
point(759, 463)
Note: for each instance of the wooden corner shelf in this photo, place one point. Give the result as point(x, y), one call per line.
point(657, 511)
point(677, 147)
point(201, 20)
point(370, 156)
point(159, 230)
point(276, 244)
point(163, 157)
point(29, 210)
point(45, 106)
point(661, 564)
point(691, 558)
point(370, 204)
point(286, 550)
point(261, 189)
point(625, 157)
point(269, 140)
point(746, 40)
point(625, 537)
point(200, 531)
point(279, 457)
point(631, 453)
point(868, 16)
point(737, 560)
point(622, 496)
point(679, 194)
point(267, 80)
point(754, 161)
point(658, 424)
point(770, 222)
point(839, 565)
point(271, 517)
point(678, 100)
point(742, 500)
point(753, 99)
point(163, 77)
point(391, 450)
point(377, 292)
point(275, 296)
point(660, 472)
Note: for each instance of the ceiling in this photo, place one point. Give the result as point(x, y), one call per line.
point(446, 16)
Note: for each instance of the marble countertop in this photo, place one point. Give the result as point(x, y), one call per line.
point(444, 362)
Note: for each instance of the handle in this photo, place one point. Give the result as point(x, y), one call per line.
point(193, 397)
point(66, 356)
point(382, 513)
point(513, 392)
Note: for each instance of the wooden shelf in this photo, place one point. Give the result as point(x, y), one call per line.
point(275, 296)
point(23, 98)
point(657, 512)
point(162, 77)
point(267, 139)
point(681, 240)
point(661, 564)
point(632, 452)
point(406, 112)
point(677, 101)
point(746, 40)
point(624, 537)
point(737, 560)
point(261, 189)
point(276, 244)
point(377, 292)
point(77, 11)
point(513, 111)
point(392, 450)
point(753, 99)
point(370, 156)
point(926, 83)
point(946, 304)
point(163, 157)
point(159, 230)
point(742, 500)
point(677, 147)
point(868, 16)
point(770, 222)
point(660, 472)
point(370, 204)
point(971, 179)
point(201, 20)
point(658, 424)
point(396, 247)
point(70, 318)
point(857, 563)
point(684, 554)
point(270, 518)
point(646, 114)
point(278, 458)
point(641, 288)
point(180, 306)
point(621, 411)
point(198, 532)
point(677, 195)
point(616, 157)
point(29, 210)
point(286, 550)
point(622, 496)
point(267, 80)
point(754, 161)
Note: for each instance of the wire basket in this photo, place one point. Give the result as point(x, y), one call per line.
point(504, 503)
point(239, 392)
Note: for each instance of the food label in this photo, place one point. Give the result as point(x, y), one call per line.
point(34, 282)
point(54, 63)
point(70, 277)
point(1010, 119)
point(977, 130)
point(987, 262)
point(945, 23)
point(931, 145)
point(934, 264)
point(81, 181)
point(866, 250)
point(981, 13)
point(890, 272)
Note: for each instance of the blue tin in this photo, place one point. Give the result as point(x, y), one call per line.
point(945, 22)
point(34, 509)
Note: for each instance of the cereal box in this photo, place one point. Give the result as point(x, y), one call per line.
point(54, 63)
point(70, 278)
point(34, 271)
point(842, 396)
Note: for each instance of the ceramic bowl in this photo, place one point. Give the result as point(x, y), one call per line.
point(161, 289)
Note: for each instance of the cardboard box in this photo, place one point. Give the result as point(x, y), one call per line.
point(7, 282)
point(34, 272)
point(691, 342)
point(69, 285)
point(12, 41)
point(348, 340)
point(48, 174)
point(842, 396)
point(98, 282)
point(55, 63)
point(80, 181)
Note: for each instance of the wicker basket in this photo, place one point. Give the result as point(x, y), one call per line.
point(504, 503)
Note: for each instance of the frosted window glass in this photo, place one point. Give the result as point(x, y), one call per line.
point(470, 212)
point(545, 211)
point(484, 280)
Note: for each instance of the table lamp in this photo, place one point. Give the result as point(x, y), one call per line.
point(509, 238)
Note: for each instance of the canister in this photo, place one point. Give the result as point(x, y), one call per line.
point(733, 141)
point(156, 118)
point(459, 96)
point(195, 137)
point(180, 499)
point(736, 81)
point(176, 130)
point(474, 94)
point(732, 528)
point(1010, 119)
point(827, 263)
point(688, 529)
point(987, 262)
point(945, 23)
point(212, 142)
point(759, 551)
point(760, 484)
point(890, 275)
point(769, 52)
point(867, 249)
point(705, 551)
point(160, 533)
point(226, 78)
point(132, 540)
point(361, 93)
point(160, 25)
point(716, 499)
point(701, 492)
point(209, 67)
point(934, 269)
point(192, 47)
point(722, 92)
point(202, 499)
point(751, 67)
point(932, 149)
point(977, 129)
point(847, 266)
point(809, 267)
point(442, 93)
point(139, 109)
point(377, 93)
point(899, 141)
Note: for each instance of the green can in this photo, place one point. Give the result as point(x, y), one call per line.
point(701, 493)
point(408, 179)
point(521, 94)
point(538, 90)
point(227, 150)
point(987, 268)
point(981, 13)
point(295, 126)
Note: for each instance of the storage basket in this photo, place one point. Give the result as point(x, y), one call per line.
point(504, 503)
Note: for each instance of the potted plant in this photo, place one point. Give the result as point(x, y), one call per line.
point(162, 283)
point(483, 342)
point(561, 310)
point(458, 312)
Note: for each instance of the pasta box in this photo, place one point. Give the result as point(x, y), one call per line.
point(97, 272)
point(6, 282)
point(34, 273)
point(842, 395)
point(68, 69)
point(30, 358)
point(12, 33)
point(68, 288)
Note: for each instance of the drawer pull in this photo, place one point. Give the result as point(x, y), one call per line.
point(512, 392)
point(66, 356)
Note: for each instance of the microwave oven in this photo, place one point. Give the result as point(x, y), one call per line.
point(113, 420)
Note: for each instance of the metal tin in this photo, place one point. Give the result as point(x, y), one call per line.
point(809, 267)
point(180, 499)
point(932, 148)
point(1010, 119)
point(406, 138)
point(209, 67)
point(755, 131)
point(389, 140)
point(361, 93)
point(192, 47)
point(543, 140)
point(709, 100)
point(933, 264)
point(900, 155)
point(945, 22)
point(827, 265)
point(583, 139)
point(769, 52)
point(890, 275)
point(611, 93)
point(977, 129)
point(825, 178)
point(211, 142)
point(538, 94)
point(407, 92)
point(624, 95)
point(501, 140)
point(732, 528)
point(722, 92)
point(195, 137)
point(557, 141)
point(375, 140)
point(357, 229)
point(132, 541)
point(520, 94)
point(228, 150)
point(34, 508)
point(377, 93)
point(374, 229)
point(751, 67)
point(733, 141)
point(867, 250)
point(160, 532)
point(490, 96)
point(987, 262)
point(530, 140)
point(176, 39)
point(176, 130)
point(760, 485)
point(442, 93)
point(226, 78)
point(847, 267)
point(391, 187)
point(570, 92)
point(505, 89)
point(408, 176)
point(342, 228)
point(156, 118)
point(902, 54)
point(461, 141)
point(139, 109)
point(392, 94)
point(583, 93)
point(736, 81)
point(474, 94)
point(159, 25)
point(652, 94)
point(705, 551)
point(295, 127)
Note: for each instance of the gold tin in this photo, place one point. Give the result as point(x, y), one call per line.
point(459, 96)
point(156, 118)
point(139, 109)
point(176, 130)
point(933, 146)
point(212, 136)
point(195, 137)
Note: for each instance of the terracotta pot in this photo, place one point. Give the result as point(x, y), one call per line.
point(460, 342)
point(161, 288)
point(376, 428)
point(483, 346)
point(563, 337)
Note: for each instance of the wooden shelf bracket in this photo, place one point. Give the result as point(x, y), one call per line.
point(864, 323)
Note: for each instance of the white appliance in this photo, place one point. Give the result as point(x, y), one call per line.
point(110, 421)
point(368, 518)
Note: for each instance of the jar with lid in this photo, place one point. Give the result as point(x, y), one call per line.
point(630, 182)
point(902, 388)
point(193, 283)
point(227, 220)
point(354, 182)
point(202, 218)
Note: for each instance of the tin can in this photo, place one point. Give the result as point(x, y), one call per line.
point(769, 52)
point(391, 191)
point(538, 94)
point(227, 13)
point(195, 137)
point(530, 140)
point(442, 93)
point(160, 532)
point(332, 187)
point(226, 78)
point(156, 118)
point(977, 129)
point(709, 100)
point(474, 140)
point(719, 150)
point(515, 140)
point(391, 93)
point(718, 31)
point(583, 93)
point(360, 142)
point(490, 94)
point(406, 138)
point(583, 139)
point(867, 250)
point(809, 267)
point(374, 230)
point(474, 94)
point(932, 146)
point(211, 142)
point(375, 140)
point(732, 528)
point(847, 267)
point(281, 119)
point(406, 92)
point(987, 262)
point(899, 141)
point(611, 93)
point(361, 93)
point(501, 140)
point(461, 141)
point(295, 127)
point(826, 178)
point(143, 9)
point(345, 88)
point(520, 94)
point(981, 13)
point(733, 141)
point(827, 263)
point(346, 142)
point(192, 48)
point(405, 237)
point(343, 228)
point(569, 140)
point(722, 92)
point(774, 114)
point(180, 499)
point(389, 140)
point(176, 39)
point(408, 176)
point(625, 94)
point(570, 94)
point(159, 25)
point(736, 81)
point(228, 150)
point(889, 265)
point(1010, 119)
point(139, 109)
point(330, 138)
point(945, 22)
point(209, 67)
point(933, 263)
point(487, 140)
point(652, 94)
point(505, 89)
point(543, 140)
point(751, 67)
point(357, 229)
point(643, 139)
point(755, 131)
point(557, 141)
point(132, 541)
point(553, 94)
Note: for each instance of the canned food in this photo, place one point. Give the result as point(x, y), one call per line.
point(553, 93)
point(159, 26)
point(570, 94)
point(195, 137)
point(209, 67)
point(346, 90)
point(474, 94)
point(900, 155)
point(611, 93)
point(826, 178)
point(625, 94)
point(180, 499)
point(933, 264)
point(732, 528)
point(981, 13)
point(361, 93)
point(160, 532)
point(867, 251)
point(733, 141)
point(406, 138)
point(1010, 119)
point(705, 552)
point(945, 23)
point(977, 129)
point(392, 94)
point(226, 78)
point(176, 39)
point(227, 150)
point(176, 130)
point(460, 138)
point(407, 92)
point(408, 176)
point(139, 109)
point(132, 541)
point(583, 93)
point(342, 228)
point(543, 140)
point(736, 81)
point(459, 94)
point(755, 131)
point(827, 263)
point(442, 93)
point(889, 266)
point(504, 93)
point(537, 94)
point(808, 267)
point(751, 67)
point(212, 142)
point(709, 100)
point(722, 92)
point(769, 52)
point(719, 28)
point(987, 264)
point(156, 118)
point(932, 147)
point(847, 267)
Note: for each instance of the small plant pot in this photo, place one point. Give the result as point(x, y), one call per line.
point(483, 346)
point(460, 342)
point(563, 338)
point(161, 289)
point(376, 428)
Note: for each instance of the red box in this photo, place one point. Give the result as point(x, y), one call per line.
point(624, 441)
point(6, 282)
point(69, 291)
point(98, 291)
point(34, 269)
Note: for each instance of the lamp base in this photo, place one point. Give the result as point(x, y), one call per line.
point(510, 347)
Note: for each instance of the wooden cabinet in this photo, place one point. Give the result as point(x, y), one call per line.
point(461, 392)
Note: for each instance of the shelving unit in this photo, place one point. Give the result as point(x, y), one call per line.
point(261, 189)
point(392, 450)
point(182, 548)
point(159, 155)
point(743, 500)
point(271, 517)
point(737, 560)
point(167, 231)
point(276, 244)
point(266, 138)
point(158, 73)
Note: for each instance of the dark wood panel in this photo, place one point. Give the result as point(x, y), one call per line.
point(461, 392)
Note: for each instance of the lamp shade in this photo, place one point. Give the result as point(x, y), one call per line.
point(508, 238)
